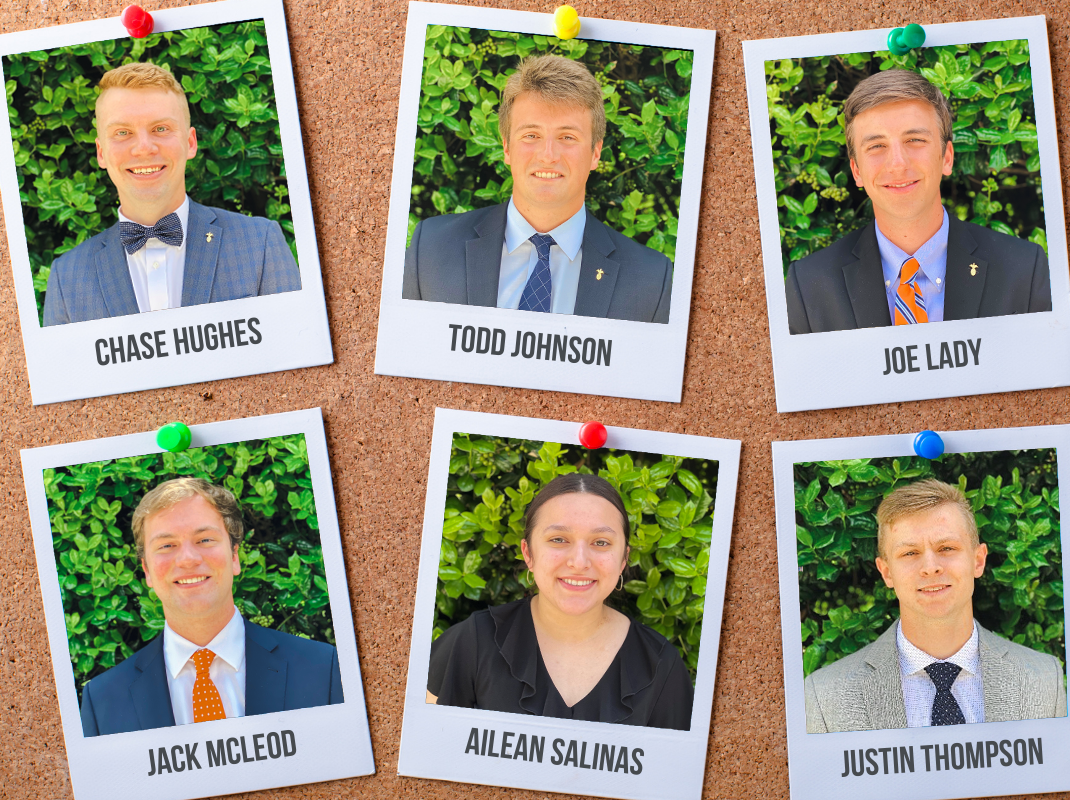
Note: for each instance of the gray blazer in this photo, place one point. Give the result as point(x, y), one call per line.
point(864, 692)
point(456, 258)
point(247, 257)
point(989, 274)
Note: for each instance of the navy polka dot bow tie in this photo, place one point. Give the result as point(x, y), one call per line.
point(168, 230)
point(946, 710)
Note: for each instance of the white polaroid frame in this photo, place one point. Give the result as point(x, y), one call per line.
point(816, 760)
point(62, 360)
point(331, 741)
point(802, 380)
point(433, 737)
point(415, 338)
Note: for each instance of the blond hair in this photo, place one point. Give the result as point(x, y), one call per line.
point(138, 75)
point(919, 497)
point(558, 81)
point(170, 493)
point(893, 86)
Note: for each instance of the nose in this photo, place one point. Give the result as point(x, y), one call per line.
point(578, 557)
point(188, 556)
point(143, 144)
point(930, 564)
point(896, 155)
point(549, 149)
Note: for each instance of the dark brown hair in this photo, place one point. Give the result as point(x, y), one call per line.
point(572, 483)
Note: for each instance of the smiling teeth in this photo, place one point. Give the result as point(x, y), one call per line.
point(184, 581)
point(933, 588)
point(145, 170)
point(547, 174)
point(572, 582)
point(901, 185)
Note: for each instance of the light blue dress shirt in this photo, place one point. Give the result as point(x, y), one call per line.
point(519, 258)
point(932, 259)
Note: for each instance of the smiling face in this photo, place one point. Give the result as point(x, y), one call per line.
point(551, 153)
point(144, 140)
point(900, 159)
point(931, 562)
point(577, 551)
point(190, 563)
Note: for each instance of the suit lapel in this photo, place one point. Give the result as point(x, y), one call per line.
point(598, 274)
point(883, 692)
point(198, 273)
point(964, 282)
point(483, 258)
point(151, 698)
point(265, 673)
point(113, 275)
point(1001, 681)
point(865, 282)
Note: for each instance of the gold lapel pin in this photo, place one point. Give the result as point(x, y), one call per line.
point(598, 274)
point(208, 237)
point(973, 269)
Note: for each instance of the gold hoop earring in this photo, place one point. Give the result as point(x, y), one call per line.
point(528, 578)
point(620, 585)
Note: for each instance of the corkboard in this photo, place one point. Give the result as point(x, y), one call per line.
point(347, 58)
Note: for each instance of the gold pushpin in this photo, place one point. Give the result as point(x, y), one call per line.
point(208, 237)
point(973, 269)
point(598, 275)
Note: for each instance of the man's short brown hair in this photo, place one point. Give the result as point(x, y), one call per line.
point(893, 86)
point(170, 493)
point(558, 81)
point(919, 497)
point(138, 75)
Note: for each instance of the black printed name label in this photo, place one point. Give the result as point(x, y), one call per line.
point(530, 344)
point(189, 339)
point(571, 753)
point(983, 754)
point(222, 752)
point(945, 355)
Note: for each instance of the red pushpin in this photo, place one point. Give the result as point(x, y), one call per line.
point(593, 435)
point(137, 21)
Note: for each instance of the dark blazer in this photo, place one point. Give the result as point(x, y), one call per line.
point(842, 287)
point(456, 258)
point(282, 672)
point(247, 257)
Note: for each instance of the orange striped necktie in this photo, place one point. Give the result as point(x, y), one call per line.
point(207, 704)
point(909, 304)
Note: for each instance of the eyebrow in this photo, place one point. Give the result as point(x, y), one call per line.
point(165, 534)
point(536, 125)
point(130, 124)
point(566, 528)
point(944, 540)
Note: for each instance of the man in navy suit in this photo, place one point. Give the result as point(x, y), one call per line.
point(166, 251)
point(209, 663)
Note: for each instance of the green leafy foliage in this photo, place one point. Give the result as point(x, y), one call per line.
point(996, 177)
point(67, 198)
point(1015, 498)
point(109, 610)
point(459, 166)
point(670, 508)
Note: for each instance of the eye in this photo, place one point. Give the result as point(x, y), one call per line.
point(558, 540)
point(161, 129)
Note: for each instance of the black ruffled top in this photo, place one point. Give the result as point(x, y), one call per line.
point(492, 661)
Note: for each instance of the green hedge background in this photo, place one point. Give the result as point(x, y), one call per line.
point(459, 166)
point(1015, 498)
point(67, 198)
point(110, 612)
point(996, 178)
point(670, 507)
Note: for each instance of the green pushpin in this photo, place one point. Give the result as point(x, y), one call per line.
point(174, 437)
point(902, 40)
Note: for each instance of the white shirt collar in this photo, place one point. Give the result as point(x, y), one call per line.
point(913, 660)
point(228, 644)
point(568, 235)
point(183, 217)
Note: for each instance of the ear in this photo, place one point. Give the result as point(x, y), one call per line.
point(979, 557)
point(100, 155)
point(883, 569)
point(949, 158)
point(526, 552)
point(505, 151)
point(856, 173)
point(596, 156)
point(192, 143)
point(236, 563)
point(627, 552)
point(148, 576)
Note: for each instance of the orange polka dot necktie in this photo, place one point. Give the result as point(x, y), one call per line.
point(207, 704)
point(909, 304)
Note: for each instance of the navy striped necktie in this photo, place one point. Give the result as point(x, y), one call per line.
point(134, 236)
point(537, 293)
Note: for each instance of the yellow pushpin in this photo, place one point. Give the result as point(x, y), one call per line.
point(566, 22)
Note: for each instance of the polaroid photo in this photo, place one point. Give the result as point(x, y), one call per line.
point(198, 611)
point(922, 614)
point(568, 608)
point(583, 212)
point(166, 175)
point(944, 205)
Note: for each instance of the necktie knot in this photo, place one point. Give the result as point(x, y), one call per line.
point(543, 242)
point(134, 236)
point(943, 674)
point(202, 660)
point(909, 271)
point(909, 301)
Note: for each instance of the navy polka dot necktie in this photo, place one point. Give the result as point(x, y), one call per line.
point(134, 236)
point(946, 710)
point(537, 293)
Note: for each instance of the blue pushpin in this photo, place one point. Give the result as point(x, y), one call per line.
point(174, 437)
point(928, 444)
point(902, 40)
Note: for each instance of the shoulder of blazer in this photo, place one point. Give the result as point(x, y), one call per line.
point(126, 671)
point(624, 249)
point(1012, 250)
point(832, 257)
point(232, 219)
point(1026, 658)
point(440, 230)
point(839, 675)
point(79, 255)
point(290, 647)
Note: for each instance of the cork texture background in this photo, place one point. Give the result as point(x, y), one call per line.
point(347, 62)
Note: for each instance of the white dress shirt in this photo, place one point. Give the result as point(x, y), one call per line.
point(919, 691)
point(519, 259)
point(932, 270)
point(156, 270)
point(227, 670)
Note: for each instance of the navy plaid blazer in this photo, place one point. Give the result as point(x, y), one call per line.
point(247, 257)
